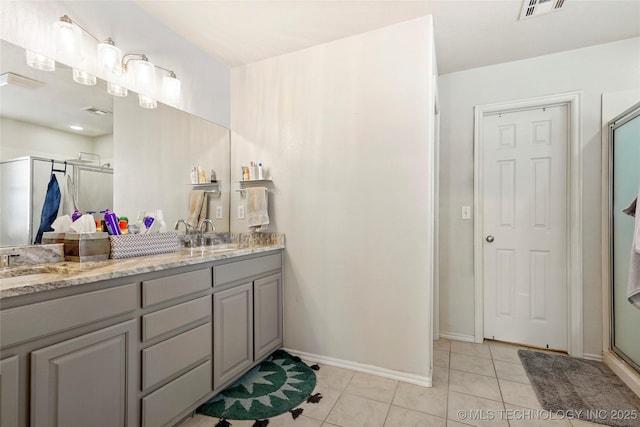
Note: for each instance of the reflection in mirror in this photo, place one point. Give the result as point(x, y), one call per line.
point(35, 122)
point(155, 152)
point(149, 156)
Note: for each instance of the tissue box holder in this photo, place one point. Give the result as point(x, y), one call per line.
point(133, 245)
point(52, 237)
point(82, 247)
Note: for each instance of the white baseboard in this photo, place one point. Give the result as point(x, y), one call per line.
point(589, 356)
point(457, 337)
point(424, 381)
point(626, 373)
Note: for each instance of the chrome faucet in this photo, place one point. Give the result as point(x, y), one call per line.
point(203, 228)
point(187, 227)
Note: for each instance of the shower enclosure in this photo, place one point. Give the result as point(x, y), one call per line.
point(624, 183)
point(23, 185)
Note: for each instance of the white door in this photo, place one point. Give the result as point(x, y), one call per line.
point(524, 182)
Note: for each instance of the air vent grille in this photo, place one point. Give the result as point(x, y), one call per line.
point(96, 111)
point(532, 8)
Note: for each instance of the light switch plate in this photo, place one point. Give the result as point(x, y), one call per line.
point(466, 212)
point(240, 212)
point(218, 212)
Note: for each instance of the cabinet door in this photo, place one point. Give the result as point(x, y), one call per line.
point(9, 391)
point(86, 381)
point(232, 332)
point(267, 312)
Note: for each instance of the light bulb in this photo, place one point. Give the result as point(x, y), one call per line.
point(109, 57)
point(40, 62)
point(116, 90)
point(83, 77)
point(171, 87)
point(144, 74)
point(68, 38)
point(147, 102)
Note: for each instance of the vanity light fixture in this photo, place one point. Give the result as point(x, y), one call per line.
point(140, 74)
point(143, 77)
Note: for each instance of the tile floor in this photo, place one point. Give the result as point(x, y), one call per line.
point(482, 381)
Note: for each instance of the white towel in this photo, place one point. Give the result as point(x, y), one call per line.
point(197, 207)
point(257, 208)
point(67, 197)
point(633, 287)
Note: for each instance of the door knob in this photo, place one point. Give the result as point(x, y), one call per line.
point(489, 238)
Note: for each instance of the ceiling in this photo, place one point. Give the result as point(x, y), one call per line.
point(58, 103)
point(468, 33)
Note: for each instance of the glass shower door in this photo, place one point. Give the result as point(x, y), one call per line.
point(625, 183)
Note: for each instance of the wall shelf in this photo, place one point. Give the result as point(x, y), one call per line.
point(252, 182)
point(208, 187)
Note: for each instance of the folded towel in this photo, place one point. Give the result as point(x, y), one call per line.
point(197, 207)
point(633, 286)
point(257, 215)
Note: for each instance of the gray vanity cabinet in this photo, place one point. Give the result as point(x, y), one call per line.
point(247, 315)
point(9, 391)
point(267, 312)
point(87, 380)
point(232, 333)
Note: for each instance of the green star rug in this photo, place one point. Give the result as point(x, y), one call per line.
point(273, 387)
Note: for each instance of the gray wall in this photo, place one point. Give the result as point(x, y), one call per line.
point(595, 70)
point(344, 130)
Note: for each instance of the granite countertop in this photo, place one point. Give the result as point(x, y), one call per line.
point(30, 279)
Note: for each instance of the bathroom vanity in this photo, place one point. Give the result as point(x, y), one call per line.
point(135, 342)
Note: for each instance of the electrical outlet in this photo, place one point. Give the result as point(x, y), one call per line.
point(218, 212)
point(241, 212)
point(466, 212)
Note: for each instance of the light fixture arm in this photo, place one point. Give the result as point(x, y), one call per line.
point(126, 60)
point(65, 18)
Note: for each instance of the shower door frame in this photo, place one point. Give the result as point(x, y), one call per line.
point(620, 120)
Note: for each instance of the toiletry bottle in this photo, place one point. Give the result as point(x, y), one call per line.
point(76, 215)
point(213, 176)
point(253, 171)
point(245, 173)
point(260, 171)
point(113, 227)
point(203, 176)
point(194, 175)
point(160, 219)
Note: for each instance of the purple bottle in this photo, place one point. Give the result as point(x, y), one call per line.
point(111, 220)
point(75, 215)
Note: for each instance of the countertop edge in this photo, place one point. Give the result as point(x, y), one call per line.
point(119, 268)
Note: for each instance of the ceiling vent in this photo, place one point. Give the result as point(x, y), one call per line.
point(18, 80)
point(96, 111)
point(532, 8)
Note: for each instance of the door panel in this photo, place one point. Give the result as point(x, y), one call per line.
point(525, 221)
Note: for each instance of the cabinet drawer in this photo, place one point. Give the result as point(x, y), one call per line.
point(166, 403)
point(160, 322)
point(242, 269)
point(165, 288)
point(22, 324)
point(169, 357)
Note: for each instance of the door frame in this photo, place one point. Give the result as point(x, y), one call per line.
point(572, 100)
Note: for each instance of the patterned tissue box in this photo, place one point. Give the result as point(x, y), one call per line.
point(133, 245)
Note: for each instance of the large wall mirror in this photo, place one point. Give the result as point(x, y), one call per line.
point(125, 157)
